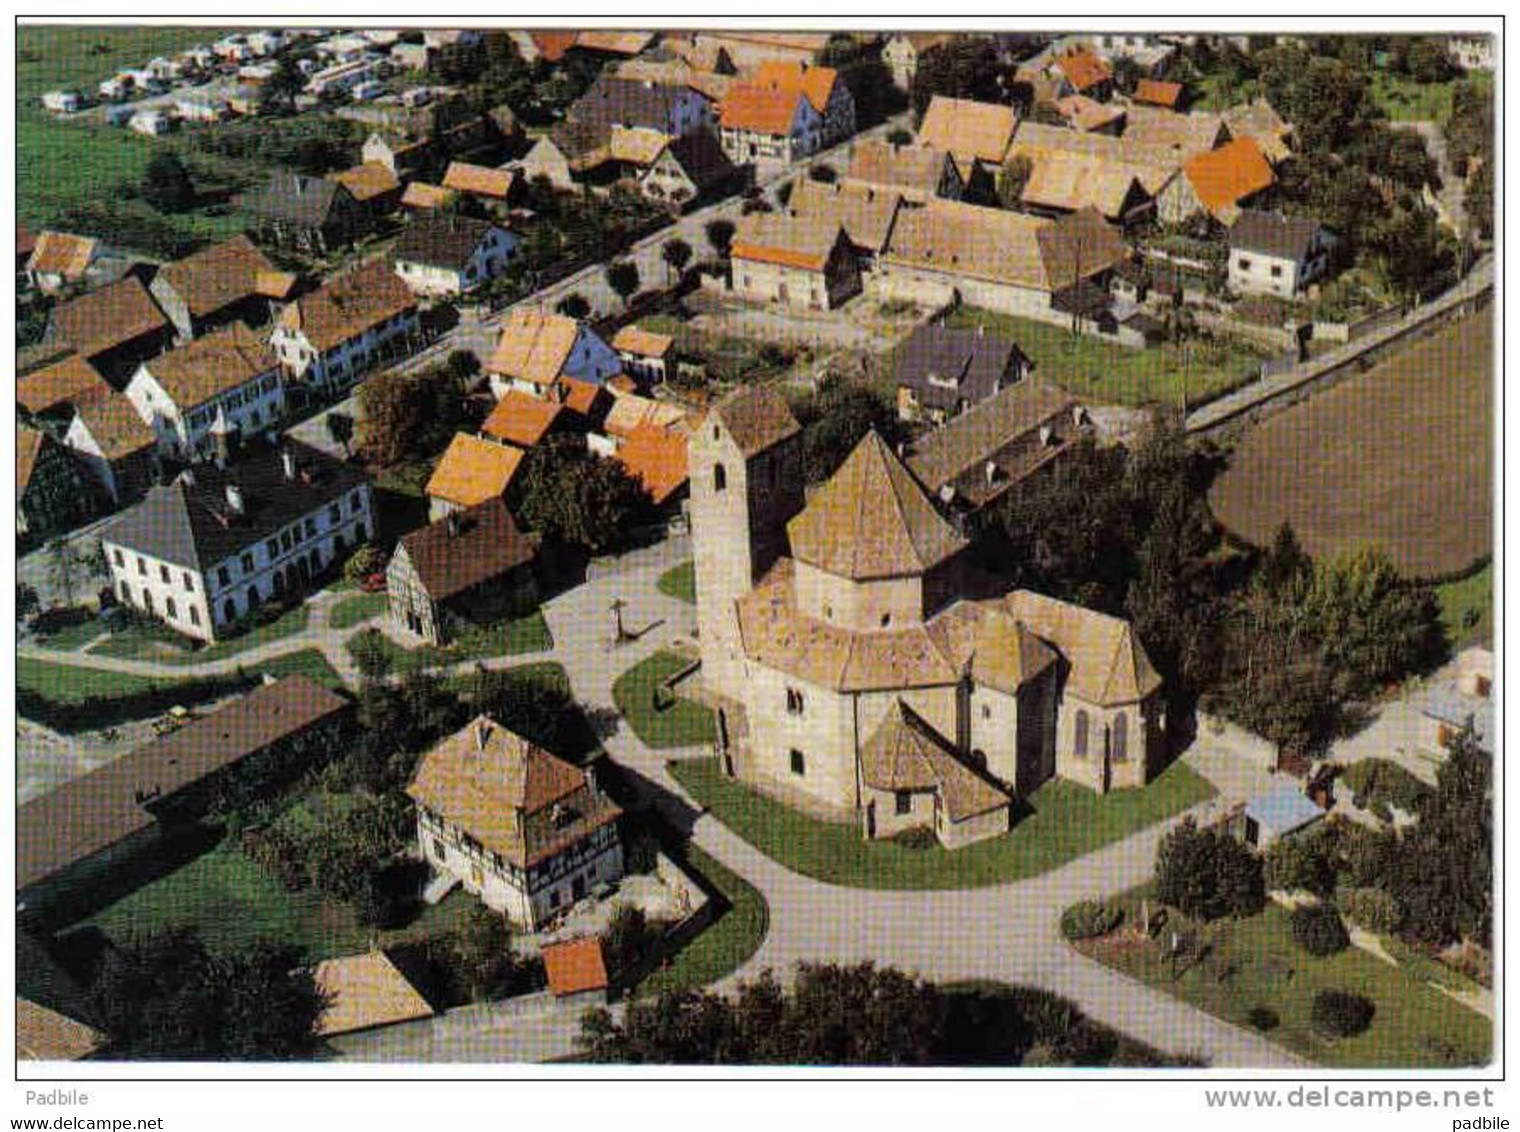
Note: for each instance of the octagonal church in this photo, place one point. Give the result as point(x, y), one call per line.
point(850, 675)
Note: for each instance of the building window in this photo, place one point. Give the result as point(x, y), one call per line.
point(335, 514)
point(1276, 272)
point(169, 608)
point(986, 711)
point(354, 504)
point(1243, 263)
point(311, 528)
point(248, 563)
point(163, 573)
point(799, 764)
point(222, 575)
point(904, 802)
point(117, 553)
point(189, 582)
point(1121, 738)
point(720, 478)
point(272, 548)
point(229, 610)
point(793, 702)
point(1079, 746)
point(438, 850)
point(142, 567)
point(285, 542)
point(195, 616)
point(359, 533)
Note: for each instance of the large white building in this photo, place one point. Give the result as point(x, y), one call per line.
point(228, 376)
point(333, 336)
point(202, 552)
point(522, 829)
point(1274, 254)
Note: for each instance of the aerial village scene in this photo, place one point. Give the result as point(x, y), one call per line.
point(913, 548)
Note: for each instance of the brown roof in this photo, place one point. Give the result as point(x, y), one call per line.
point(473, 470)
point(521, 419)
point(1228, 175)
point(367, 181)
point(575, 965)
point(347, 305)
point(865, 212)
point(1083, 113)
point(479, 180)
point(217, 276)
point(1003, 429)
point(1109, 665)
point(1158, 93)
point(63, 254)
point(1083, 69)
point(1001, 246)
point(637, 145)
point(656, 457)
point(679, 72)
point(614, 42)
point(212, 364)
point(46, 1035)
point(419, 194)
point(1257, 120)
point(645, 343)
point(915, 170)
point(1177, 136)
point(1006, 654)
point(872, 520)
point(1072, 181)
point(757, 417)
point(552, 45)
point(782, 238)
point(509, 794)
point(905, 753)
point(759, 109)
point(64, 382)
point(464, 550)
point(969, 130)
point(29, 445)
point(366, 991)
point(533, 346)
point(109, 317)
point(630, 411)
point(114, 424)
point(1153, 165)
point(89, 814)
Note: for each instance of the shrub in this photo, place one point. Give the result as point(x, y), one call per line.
point(363, 562)
point(370, 654)
point(1340, 1014)
point(1319, 931)
point(1089, 919)
point(1304, 862)
point(1206, 874)
point(1375, 910)
point(917, 837)
point(1262, 1018)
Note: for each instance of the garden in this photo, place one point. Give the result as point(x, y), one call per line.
point(377, 654)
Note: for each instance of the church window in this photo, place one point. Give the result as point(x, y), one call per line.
point(1080, 745)
point(720, 477)
point(794, 704)
point(1121, 738)
point(799, 763)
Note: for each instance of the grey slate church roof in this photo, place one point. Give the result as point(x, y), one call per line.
point(191, 523)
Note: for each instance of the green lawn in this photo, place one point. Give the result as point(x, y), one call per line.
point(1467, 607)
point(69, 683)
point(304, 662)
point(74, 637)
point(680, 582)
point(1405, 100)
point(349, 611)
point(528, 633)
point(725, 944)
point(1066, 821)
point(231, 902)
point(1102, 371)
point(684, 723)
point(1255, 963)
point(151, 642)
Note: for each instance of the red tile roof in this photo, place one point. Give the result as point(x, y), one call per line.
point(520, 419)
point(1226, 176)
point(1158, 93)
point(1083, 69)
point(656, 457)
point(575, 965)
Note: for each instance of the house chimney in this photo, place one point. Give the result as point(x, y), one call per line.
point(482, 734)
point(990, 470)
point(288, 463)
point(452, 519)
point(1045, 434)
point(235, 498)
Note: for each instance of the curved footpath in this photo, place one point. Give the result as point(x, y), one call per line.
point(1006, 932)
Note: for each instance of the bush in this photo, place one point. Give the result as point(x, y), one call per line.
point(1377, 784)
point(1319, 931)
point(1303, 862)
point(1206, 874)
point(917, 837)
point(1263, 1018)
point(1375, 910)
point(363, 562)
point(1340, 1014)
point(1089, 919)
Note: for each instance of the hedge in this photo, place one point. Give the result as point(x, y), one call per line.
point(1319, 931)
point(1340, 1014)
point(1089, 919)
point(1375, 910)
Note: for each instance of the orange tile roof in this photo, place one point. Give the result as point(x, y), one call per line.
point(614, 42)
point(969, 130)
point(579, 396)
point(534, 346)
point(552, 45)
point(420, 194)
point(816, 83)
point(479, 180)
point(367, 181)
point(366, 991)
point(1158, 93)
point(1224, 177)
point(1082, 113)
point(60, 253)
point(784, 239)
point(656, 457)
point(473, 470)
point(759, 109)
point(646, 343)
point(1083, 69)
point(61, 382)
point(575, 965)
point(520, 419)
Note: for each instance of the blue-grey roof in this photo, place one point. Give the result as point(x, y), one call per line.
point(1452, 707)
point(1283, 808)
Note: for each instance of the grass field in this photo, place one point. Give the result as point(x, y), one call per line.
point(1405, 100)
point(523, 634)
point(1104, 372)
point(69, 683)
point(231, 902)
point(303, 662)
point(680, 582)
point(155, 644)
point(1255, 963)
point(1066, 821)
point(723, 945)
point(682, 724)
point(1467, 607)
point(349, 611)
point(1400, 456)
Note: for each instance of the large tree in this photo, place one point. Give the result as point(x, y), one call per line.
point(577, 498)
point(835, 418)
point(166, 183)
point(964, 67)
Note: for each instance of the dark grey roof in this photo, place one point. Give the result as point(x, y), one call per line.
point(191, 524)
point(702, 157)
point(1272, 233)
point(295, 199)
point(441, 240)
point(612, 101)
point(970, 358)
